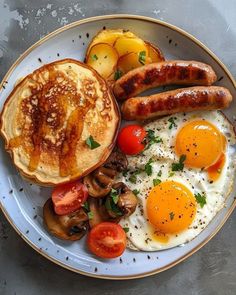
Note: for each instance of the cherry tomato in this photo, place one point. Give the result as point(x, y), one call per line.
point(107, 240)
point(130, 139)
point(69, 197)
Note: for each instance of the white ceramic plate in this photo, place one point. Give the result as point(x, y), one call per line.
point(22, 202)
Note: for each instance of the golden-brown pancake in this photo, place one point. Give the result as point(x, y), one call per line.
point(51, 113)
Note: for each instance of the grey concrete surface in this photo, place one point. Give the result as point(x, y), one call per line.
point(212, 270)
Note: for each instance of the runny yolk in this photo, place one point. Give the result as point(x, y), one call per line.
point(171, 207)
point(215, 170)
point(201, 142)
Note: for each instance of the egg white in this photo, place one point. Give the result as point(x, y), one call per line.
point(140, 232)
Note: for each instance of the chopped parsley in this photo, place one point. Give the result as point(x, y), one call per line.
point(151, 139)
point(142, 57)
point(124, 173)
point(118, 74)
point(111, 206)
point(172, 215)
point(172, 122)
point(201, 199)
point(126, 229)
point(90, 215)
point(159, 173)
point(114, 195)
point(94, 57)
point(92, 143)
point(86, 206)
point(156, 181)
point(171, 174)
point(136, 192)
point(133, 176)
point(148, 167)
point(180, 165)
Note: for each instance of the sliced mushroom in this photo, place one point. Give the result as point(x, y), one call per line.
point(72, 226)
point(100, 181)
point(125, 204)
point(117, 161)
point(99, 213)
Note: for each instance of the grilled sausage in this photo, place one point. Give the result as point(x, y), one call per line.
point(176, 72)
point(175, 101)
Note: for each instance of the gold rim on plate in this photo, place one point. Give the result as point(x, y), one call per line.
point(90, 20)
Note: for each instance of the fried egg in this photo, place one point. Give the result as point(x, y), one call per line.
point(181, 179)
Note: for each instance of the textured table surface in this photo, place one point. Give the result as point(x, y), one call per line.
point(212, 270)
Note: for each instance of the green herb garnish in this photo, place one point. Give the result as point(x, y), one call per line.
point(201, 199)
point(133, 176)
point(151, 138)
point(148, 167)
point(86, 206)
point(156, 181)
point(94, 57)
point(159, 173)
point(90, 215)
point(117, 74)
point(92, 143)
point(171, 174)
point(136, 192)
point(172, 215)
point(142, 57)
point(172, 122)
point(126, 229)
point(114, 195)
point(111, 206)
point(180, 165)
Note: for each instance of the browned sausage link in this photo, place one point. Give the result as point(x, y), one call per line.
point(175, 101)
point(176, 72)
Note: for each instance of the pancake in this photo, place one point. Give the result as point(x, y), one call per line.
point(49, 116)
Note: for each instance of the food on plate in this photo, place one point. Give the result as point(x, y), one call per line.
point(175, 101)
point(60, 122)
point(181, 180)
point(109, 36)
point(121, 201)
point(71, 226)
point(98, 212)
point(103, 58)
point(107, 240)
point(69, 197)
point(100, 181)
point(112, 53)
point(176, 72)
point(130, 139)
point(60, 125)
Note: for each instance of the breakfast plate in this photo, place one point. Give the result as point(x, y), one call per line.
point(22, 201)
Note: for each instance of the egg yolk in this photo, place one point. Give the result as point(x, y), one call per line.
point(171, 207)
point(201, 142)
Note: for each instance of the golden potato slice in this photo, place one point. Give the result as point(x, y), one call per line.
point(125, 45)
point(109, 37)
point(154, 53)
point(131, 61)
point(103, 58)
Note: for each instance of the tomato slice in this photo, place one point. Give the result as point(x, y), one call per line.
point(130, 139)
point(107, 240)
point(69, 197)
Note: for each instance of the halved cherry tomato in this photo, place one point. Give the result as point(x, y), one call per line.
point(107, 240)
point(69, 197)
point(130, 139)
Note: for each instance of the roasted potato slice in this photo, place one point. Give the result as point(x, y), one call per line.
point(109, 37)
point(131, 61)
point(154, 53)
point(125, 45)
point(103, 58)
